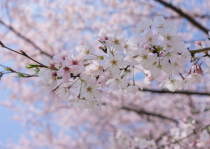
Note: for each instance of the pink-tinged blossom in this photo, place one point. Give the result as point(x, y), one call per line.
point(77, 103)
point(200, 44)
point(149, 78)
point(184, 56)
point(102, 35)
point(176, 67)
point(171, 38)
point(157, 68)
point(204, 136)
point(162, 25)
point(88, 76)
point(151, 144)
point(133, 88)
point(113, 63)
point(130, 61)
point(85, 50)
point(52, 96)
point(116, 40)
point(96, 67)
point(64, 93)
point(52, 79)
point(131, 44)
point(142, 27)
point(150, 39)
point(103, 78)
point(44, 71)
point(60, 58)
point(65, 73)
point(45, 85)
point(171, 84)
point(142, 143)
point(172, 55)
point(187, 82)
point(196, 77)
point(90, 92)
point(117, 82)
point(75, 63)
point(144, 58)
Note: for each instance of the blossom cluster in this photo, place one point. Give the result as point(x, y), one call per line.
point(176, 138)
point(81, 77)
point(125, 140)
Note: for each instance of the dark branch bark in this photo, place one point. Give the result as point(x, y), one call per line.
point(199, 50)
point(176, 92)
point(143, 112)
point(184, 15)
point(25, 38)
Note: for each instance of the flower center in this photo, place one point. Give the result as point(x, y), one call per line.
point(150, 39)
point(169, 37)
point(126, 46)
point(89, 89)
point(144, 57)
point(116, 41)
point(63, 57)
point(54, 74)
point(86, 51)
point(74, 62)
point(114, 62)
point(66, 68)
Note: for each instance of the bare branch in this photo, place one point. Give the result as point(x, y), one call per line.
point(23, 54)
point(176, 92)
point(199, 50)
point(25, 38)
point(184, 15)
point(143, 112)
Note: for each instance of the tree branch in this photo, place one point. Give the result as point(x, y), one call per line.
point(199, 50)
point(186, 16)
point(176, 92)
point(25, 38)
point(143, 112)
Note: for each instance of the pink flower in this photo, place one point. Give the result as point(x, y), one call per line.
point(96, 67)
point(65, 73)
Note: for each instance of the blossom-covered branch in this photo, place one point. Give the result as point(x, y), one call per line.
point(82, 78)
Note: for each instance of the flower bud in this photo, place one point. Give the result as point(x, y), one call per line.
point(100, 47)
point(200, 43)
point(7, 68)
point(147, 47)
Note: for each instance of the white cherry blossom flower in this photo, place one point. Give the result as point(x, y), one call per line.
point(65, 73)
point(116, 40)
point(90, 91)
point(96, 67)
point(102, 35)
point(85, 49)
point(88, 76)
point(142, 27)
point(171, 84)
point(64, 93)
point(150, 38)
point(144, 58)
point(204, 135)
point(117, 82)
point(113, 63)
